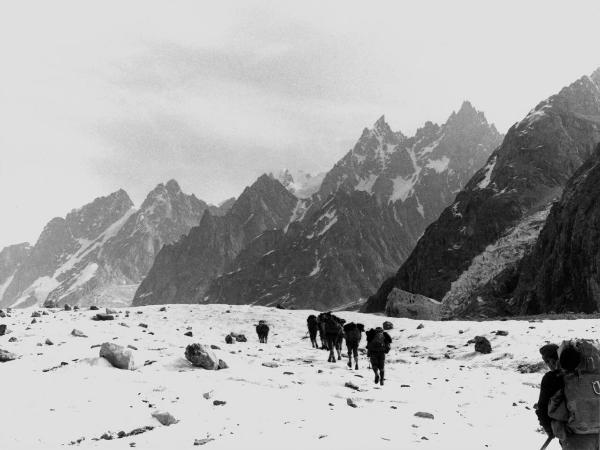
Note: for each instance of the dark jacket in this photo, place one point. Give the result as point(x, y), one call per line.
point(552, 382)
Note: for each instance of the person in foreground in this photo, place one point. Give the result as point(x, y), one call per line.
point(574, 408)
point(378, 344)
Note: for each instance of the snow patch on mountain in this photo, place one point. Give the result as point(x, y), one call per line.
point(507, 250)
point(439, 165)
point(489, 168)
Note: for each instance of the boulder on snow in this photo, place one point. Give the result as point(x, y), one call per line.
point(424, 415)
point(78, 333)
point(36, 314)
point(413, 306)
point(201, 356)
point(111, 311)
point(229, 339)
point(2, 314)
point(223, 365)
point(6, 356)
point(501, 333)
point(238, 337)
point(49, 342)
point(388, 325)
point(482, 345)
point(164, 418)
point(94, 308)
point(2, 329)
point(119, 356)
point(67, 307)
point(101, 316)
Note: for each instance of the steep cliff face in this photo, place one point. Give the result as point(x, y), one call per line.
point(333, 257)
point(182, 271)
point(515, 188)
point(11, 258)
point(562, 273)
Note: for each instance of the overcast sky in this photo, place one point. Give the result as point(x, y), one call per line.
point(106, 95)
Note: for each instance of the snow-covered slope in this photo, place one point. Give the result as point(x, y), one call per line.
point(300, 183)
point(477, 401)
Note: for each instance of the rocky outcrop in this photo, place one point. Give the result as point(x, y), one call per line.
point(513, 191)
point(183, 271)
point(11, 258)
point(404, 304)
point(562, 272)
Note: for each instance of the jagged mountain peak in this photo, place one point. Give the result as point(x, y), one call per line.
point(173, 186)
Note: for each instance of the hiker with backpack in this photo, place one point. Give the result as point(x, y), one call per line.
point(378, 345)
point(574, 409)
point(552, 382)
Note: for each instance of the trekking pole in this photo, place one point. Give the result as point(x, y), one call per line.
point(547, 443)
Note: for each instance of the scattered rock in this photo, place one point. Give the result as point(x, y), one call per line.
point(2, 329)
point(33, 321)
point(482, 345)
point(75, 308)
point(351, 403)
point(78, 333)
point(93, 308)
point(111, 311)
point(142, 325)
point(270, 364)
point(36, 314)
point(421, 326)
point(532, 367)
point(12, 339)
point(189, 333)
point(163, 309)
point(118, 356)
point(352, 386)
point(219, 403)
point(132, 347)
point(164, 418)
point(207, 395)
point(202, 441)
point(424, 415)
point(68, 307)
point(229, 339)
point(202, 357)
point(388, 325)
point(101, 316)
point(501, 333)
point(6, 356)
point(223, 365)
point(49, 342)
point(215, 347)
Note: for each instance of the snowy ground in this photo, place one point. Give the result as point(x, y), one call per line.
point(478, 401)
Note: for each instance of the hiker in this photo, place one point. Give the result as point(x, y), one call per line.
point(334, 333)
point(352, 334)
point(378, 344)
point(552, 382)
point(313, 327)
point(262, 330)
point(575, 409)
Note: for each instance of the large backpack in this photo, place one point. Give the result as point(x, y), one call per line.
point(582, 388)
point(378, 343)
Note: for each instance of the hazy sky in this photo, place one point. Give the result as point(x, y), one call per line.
point(95, 96)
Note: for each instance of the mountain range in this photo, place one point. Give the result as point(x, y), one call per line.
point(331, 249)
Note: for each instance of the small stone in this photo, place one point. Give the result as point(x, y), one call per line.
point(189, 333)
point(143, 325)
point(49, 342)
point(229, 339)
point(424, 415)
point(352, 386)
point(2, 329)
point(111, 311)
point(421, 326)
point(67, 307)
point(388, 325)
point(219, 403)
point(223, 365)
point(207, 395)
point(33, 321)
point(215, 347)
point(118, 356)
point(202, 441)
point(100, 316)
point(351, 403)
point(200, 356)
point(12, 339)
point(93, 308)
point(78, 333)
point(501, 333)
point(163, 309)
point(164, 418)
point(482, 345)
point(270, 364)
point(6, 356)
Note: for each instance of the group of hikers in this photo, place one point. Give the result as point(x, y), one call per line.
point(569, 403)
point(333, 330)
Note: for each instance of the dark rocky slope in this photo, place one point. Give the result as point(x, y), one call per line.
point(504, 201)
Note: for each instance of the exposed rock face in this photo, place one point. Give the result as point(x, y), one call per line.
point(300, 183)
point(404, 304)
point(182, 271)
point(334, 257)
point(100, 252)
point(365, 219)
point(562, 272)
point(511, 194)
